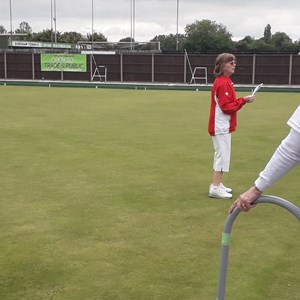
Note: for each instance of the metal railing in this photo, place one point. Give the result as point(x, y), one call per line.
point(227, 235)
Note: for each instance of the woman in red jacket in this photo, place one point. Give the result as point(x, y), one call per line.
point(222, 121)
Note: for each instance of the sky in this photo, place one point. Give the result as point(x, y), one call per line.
point(153, 17)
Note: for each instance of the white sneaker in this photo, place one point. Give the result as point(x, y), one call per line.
point(227, 189)
point(218, 192)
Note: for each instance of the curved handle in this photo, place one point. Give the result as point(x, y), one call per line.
point(264, 199)
point(227, 232)
point(281, 202)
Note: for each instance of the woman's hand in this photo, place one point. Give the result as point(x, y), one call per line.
point(245, 201)
point(249, 98)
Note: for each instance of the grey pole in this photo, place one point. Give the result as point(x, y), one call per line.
point(54, 18)
point(177, 17)
point(132, 24)
point(227, 235)
point(93, 26)
point(11, 30)
point(51, 24)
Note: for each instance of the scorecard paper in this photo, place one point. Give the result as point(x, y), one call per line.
point(256, 89)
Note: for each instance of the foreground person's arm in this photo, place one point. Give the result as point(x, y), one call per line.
point(286, 156)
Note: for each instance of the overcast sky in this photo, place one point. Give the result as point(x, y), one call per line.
point(154, 17)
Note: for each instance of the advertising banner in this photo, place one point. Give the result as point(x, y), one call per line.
point(63, 62)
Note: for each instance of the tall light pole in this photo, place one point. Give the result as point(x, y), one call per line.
point(177, 17)
point(54, 18)
point(51, 16)
point(92, 25)
point(133, 22)
point(132, 25)
point(10, 16)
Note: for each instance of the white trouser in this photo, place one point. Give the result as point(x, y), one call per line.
point(222, 146)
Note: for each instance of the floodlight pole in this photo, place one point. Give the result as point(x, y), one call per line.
point(177, 42)
point(132, 25)
point(55, 32)
point(51, 16)
point(10, 14)
point(92, 25)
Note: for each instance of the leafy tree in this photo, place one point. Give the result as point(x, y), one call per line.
point(24, 28)
point(96, 37)
point(71, 37)
point(208, 35)
point(248, 39)
point(243, 45)
point(297, 46)
point(126, 40)
point(45, 36)
point(282, 41)
point(124, 43)
point(2, 29)
point(168, 42)
point(267, 34)
point(261, 46)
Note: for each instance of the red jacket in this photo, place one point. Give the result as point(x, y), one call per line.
point(224, 106)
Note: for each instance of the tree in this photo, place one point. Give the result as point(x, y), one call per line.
point(2, 29)
point(125, 43)
point(44, 36)
point(267, 34)
point(244, 44)
point(71, 37)
point(97, 37)
point(24, 28)
point(168, 42)
point(127, 40)
point(261, 46)
point(282, 41)
point(297, 46)
point(208, 35)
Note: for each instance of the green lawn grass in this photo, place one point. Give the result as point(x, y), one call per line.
point(104, 196)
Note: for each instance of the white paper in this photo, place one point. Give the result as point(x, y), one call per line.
point(256, 89)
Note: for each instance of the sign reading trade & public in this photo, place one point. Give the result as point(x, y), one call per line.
point(63, 62)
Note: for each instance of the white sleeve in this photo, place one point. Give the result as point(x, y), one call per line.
point(286, 156)
point(294, 121)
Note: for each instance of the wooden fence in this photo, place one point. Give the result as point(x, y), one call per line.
point(277, 69)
